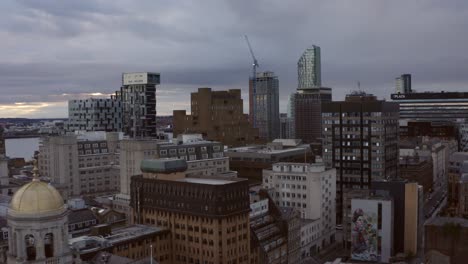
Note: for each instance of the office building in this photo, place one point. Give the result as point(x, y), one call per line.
point(309, 68)
point(37, 225)
point(82, 164)
point(463, 196)
point(250, 161)
point(306, 108)
point(203, 158)
point(444, 240)
point(218, 116)
point(372, 229)
point(93, 114)
point(264, 105)
point(286, 127)
point(138, 100)
point(208, 217)
point(433, 106)
point(310, 189)
point(270, 230)
point(408, 215)
point(463, 137)
point(360, 140)
point(133, 242)
point(403, 84)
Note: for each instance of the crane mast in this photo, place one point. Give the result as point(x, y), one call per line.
point(254, 80)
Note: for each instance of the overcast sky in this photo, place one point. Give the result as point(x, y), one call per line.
point(52, 51)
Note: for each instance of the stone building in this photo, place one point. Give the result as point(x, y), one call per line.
point(218, 116)
point(37, 222)
point(83, 163)
point(208, 216)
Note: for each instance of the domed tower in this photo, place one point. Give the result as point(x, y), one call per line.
point(38, 225)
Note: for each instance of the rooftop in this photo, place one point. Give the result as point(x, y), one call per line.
point(208, 181)
point(95, 243)
point(440, 221)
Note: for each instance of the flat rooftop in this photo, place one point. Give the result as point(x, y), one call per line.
point(206, 181)
point(93, 243)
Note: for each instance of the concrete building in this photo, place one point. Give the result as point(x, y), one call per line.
point(264, 105)
point(250, 161)
point(433, 106)
point(36, 221)
point(208, 217)
point(408, 215)
point(83, 163)
point(403, 84)
point(311, 189)
point(414, 169)
point(203, 158)
point(428, 129)
point(218, 116)
point(138, 100)
point(306, 105)
point(94, 114)
point(463, 137)
point(445, 240)
point(458, 165)
point(372, 229)
point(270, 230)
point(134, 242)
point(360, 140)
point(435, 151)
point(309, 68)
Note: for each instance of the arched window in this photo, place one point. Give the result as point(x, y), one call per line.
point(30, 243)
point(49, 245)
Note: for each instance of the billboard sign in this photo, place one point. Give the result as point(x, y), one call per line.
point(364, 235)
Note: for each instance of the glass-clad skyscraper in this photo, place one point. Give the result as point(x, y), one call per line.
point(309, 68)
point(266, 107)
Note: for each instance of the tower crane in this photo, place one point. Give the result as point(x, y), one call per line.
point(255, 65)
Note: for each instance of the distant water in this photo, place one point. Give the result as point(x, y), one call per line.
point(21, 147)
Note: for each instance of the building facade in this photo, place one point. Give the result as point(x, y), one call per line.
point(138, 100)
point(218, 116)
point(310, 189)
point(360, 140)
point(82, 164)
point(208, 217)
point(94, 114)
point(264, 105)
point(306, 106)
point(37, 223)
point(372, 229)
point(403, 84)
point(433, 106)
point(309, 68)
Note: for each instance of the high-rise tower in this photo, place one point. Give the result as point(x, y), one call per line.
point(309, 68)
point(403, 84)
point(265, 110)
point(138, 99)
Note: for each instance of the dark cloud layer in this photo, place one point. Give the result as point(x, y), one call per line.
point(54, 50)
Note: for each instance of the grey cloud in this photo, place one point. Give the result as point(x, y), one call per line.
point(77, 47)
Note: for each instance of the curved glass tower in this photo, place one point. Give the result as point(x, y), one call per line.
point(308, 68)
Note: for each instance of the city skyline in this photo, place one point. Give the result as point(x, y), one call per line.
point(184, 44)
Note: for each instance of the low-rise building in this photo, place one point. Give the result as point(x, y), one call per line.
point(414, 169)
point(311, 189)
point(81, 164)
point(458, 165)
point(372, 229)
point(445, 240)
point(250, 161)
